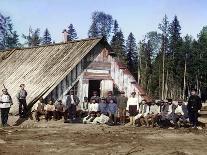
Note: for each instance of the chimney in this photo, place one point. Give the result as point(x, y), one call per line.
point(65, 36)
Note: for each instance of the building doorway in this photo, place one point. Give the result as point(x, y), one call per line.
point(94, 85)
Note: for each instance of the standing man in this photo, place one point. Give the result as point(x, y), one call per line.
point(71, 101)
point(194, 104)
point(5, 104)
point(21, 97)
point(132, 107)
point(122, 104)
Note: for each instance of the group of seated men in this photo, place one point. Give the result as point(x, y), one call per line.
point(113, 110)
point(162, 113)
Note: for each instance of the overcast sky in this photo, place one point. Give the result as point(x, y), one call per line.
point(136, 16)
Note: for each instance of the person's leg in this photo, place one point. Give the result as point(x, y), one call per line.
point(195, 119)
point(70, 112)
point(2, 116)
point(6, 116)
point(20, 108)
point(146, 118)
point(74, 111)
point(24, 107)
point(46, 115)
point(37, 116)
point(124, 116)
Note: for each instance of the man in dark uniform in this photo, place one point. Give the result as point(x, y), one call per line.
point(95, 97)
point(194, 104)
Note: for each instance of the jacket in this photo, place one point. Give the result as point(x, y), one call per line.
point(194, 103)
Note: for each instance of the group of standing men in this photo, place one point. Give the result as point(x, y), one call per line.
point(6, 102)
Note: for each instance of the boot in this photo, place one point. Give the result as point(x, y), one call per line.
point(133, 121)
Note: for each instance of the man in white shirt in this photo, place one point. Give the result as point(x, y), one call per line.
point(179, 114)
point(5, 104)
point(132, 107)
point(153, 114)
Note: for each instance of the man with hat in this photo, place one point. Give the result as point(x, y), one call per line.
point(110, 97)
point(194, 104)
point(5, 104)
point(122, 104)
point(95, 96)
point(21, 97)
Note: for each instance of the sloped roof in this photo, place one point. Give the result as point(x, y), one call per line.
point(41, 68)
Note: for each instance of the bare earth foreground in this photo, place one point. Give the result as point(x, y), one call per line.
point(59, 138)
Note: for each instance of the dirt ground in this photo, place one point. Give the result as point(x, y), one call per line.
point(55, 137)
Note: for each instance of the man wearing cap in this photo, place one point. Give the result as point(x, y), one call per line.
point(5, 104)
point(122, 104)
point(21, 97)
point(194, 104)
point(39, 109)
point(95, 96)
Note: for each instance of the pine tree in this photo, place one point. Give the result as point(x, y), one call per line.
point(132, 55)
point(101, 25)
point(8, 37)
point(46, 39)
point(116, 27)
point(118, 45)
point(33, 39)
point(72, 35)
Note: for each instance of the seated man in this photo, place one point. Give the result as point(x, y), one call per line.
point(84, 107)
point(180, 116)
point(100, 119)
point(103, 106)
point(59, 110)
point(92, 109)
point(112, 110)
point(140, 116)
point(49, 111)
point(167, 113)
point(153, 114)
point(39, 109)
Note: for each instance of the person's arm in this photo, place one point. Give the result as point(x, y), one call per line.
point(10, 99)
point(127, 108)
point(18, 95)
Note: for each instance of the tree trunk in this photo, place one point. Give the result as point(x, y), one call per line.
point(163, 74)
point(184, 77)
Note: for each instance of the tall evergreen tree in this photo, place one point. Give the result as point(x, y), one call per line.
point(101, 25)
point(116, 27)
point(72, 35)
point(8, 36)
point(118, 45)
point(132, 55)
point(33, 38)
point(46, 39)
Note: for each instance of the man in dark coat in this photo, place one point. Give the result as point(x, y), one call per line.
point(194, 104)
point(71, 101)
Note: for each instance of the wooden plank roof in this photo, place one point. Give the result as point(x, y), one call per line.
point(41, 68)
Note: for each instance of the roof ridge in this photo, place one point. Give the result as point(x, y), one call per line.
point(60, 43)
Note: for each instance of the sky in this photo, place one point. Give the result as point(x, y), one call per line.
point(136, 16)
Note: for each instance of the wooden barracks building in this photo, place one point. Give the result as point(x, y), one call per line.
point(51, 71)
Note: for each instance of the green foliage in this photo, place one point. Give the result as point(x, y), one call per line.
point(101, 25)
point(46, 39)
point(33, 39)
point(72, 35)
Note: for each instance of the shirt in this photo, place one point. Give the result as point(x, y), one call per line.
point(179, 109)
point(132, 101)
point(84, 106)
point(169, 109)
point(49, 107)
point(22, 94)
point(112, 108)
point(39, 106)
point(154, 109)
point(5, 101)
point(122, 102)
point(103, 107)
point(95, 107)
point(72, 99)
